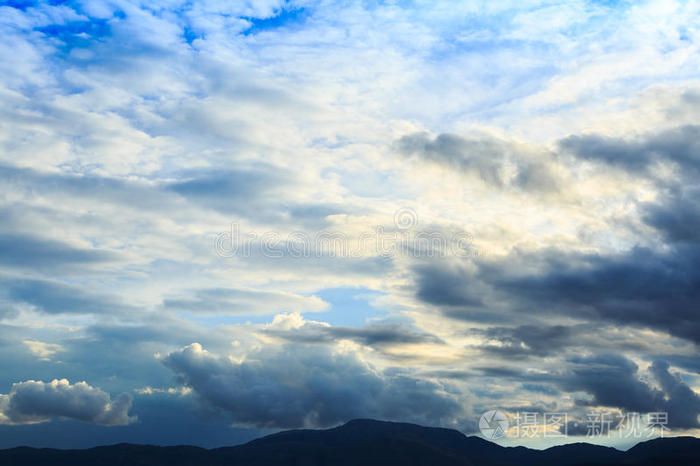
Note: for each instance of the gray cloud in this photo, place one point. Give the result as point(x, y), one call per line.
point(526, 340)
point(57, 298)
point(613, 381)
point(255, 192)
point(88, 186)
point(35, 401)
point(35, 253)
point(642, 287)
point(682, 403)
point(249, 191)
point(485, 157)
point(231, 190)
point(449, 284)
point(243, 301)
point(296, 387)
point(677, 216)
point(678, 145)
point(371, 335)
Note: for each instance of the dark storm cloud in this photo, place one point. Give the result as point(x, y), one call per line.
point(613, 381)
point(485, 157)
point(36, 401)
point(526, 340)
point(580, 428)
point(371, 335)
point(682, 403)
point(57, 298)
point(690, 363)
point(676, 217)
point(450, 284)
point(678, 145)
point(642, 287)
point(297, 387)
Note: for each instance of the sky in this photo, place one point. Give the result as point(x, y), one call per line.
point(222, 219)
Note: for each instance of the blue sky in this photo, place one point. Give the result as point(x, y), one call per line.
point(222, 219)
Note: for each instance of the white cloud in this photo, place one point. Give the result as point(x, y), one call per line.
point(43, 350)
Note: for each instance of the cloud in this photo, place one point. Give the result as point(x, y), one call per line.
point(682, 403)
point(448, 283)
point(301, 387)
point(676, 216)
point(261, 192)
point(486, 157)
point(293, 328)
point(640, 287)
point(92, 187)
point(54, 297)
point(230, 190)
point(36, 253)
point(524, 340)
point(678, 145)
point(251, 191)
point(42, 350)
point(244, 301)
point(613, 381)
point(33, 402)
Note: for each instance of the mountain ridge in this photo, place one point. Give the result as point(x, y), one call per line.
point(366, 442)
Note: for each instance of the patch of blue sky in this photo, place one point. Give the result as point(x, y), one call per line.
point(611, 3)
point(20, 4)
point(190, 35)
point(77, 33)
point(349, 307)
point(283, 18)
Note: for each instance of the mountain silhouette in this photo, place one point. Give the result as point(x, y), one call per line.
point(365, 442)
